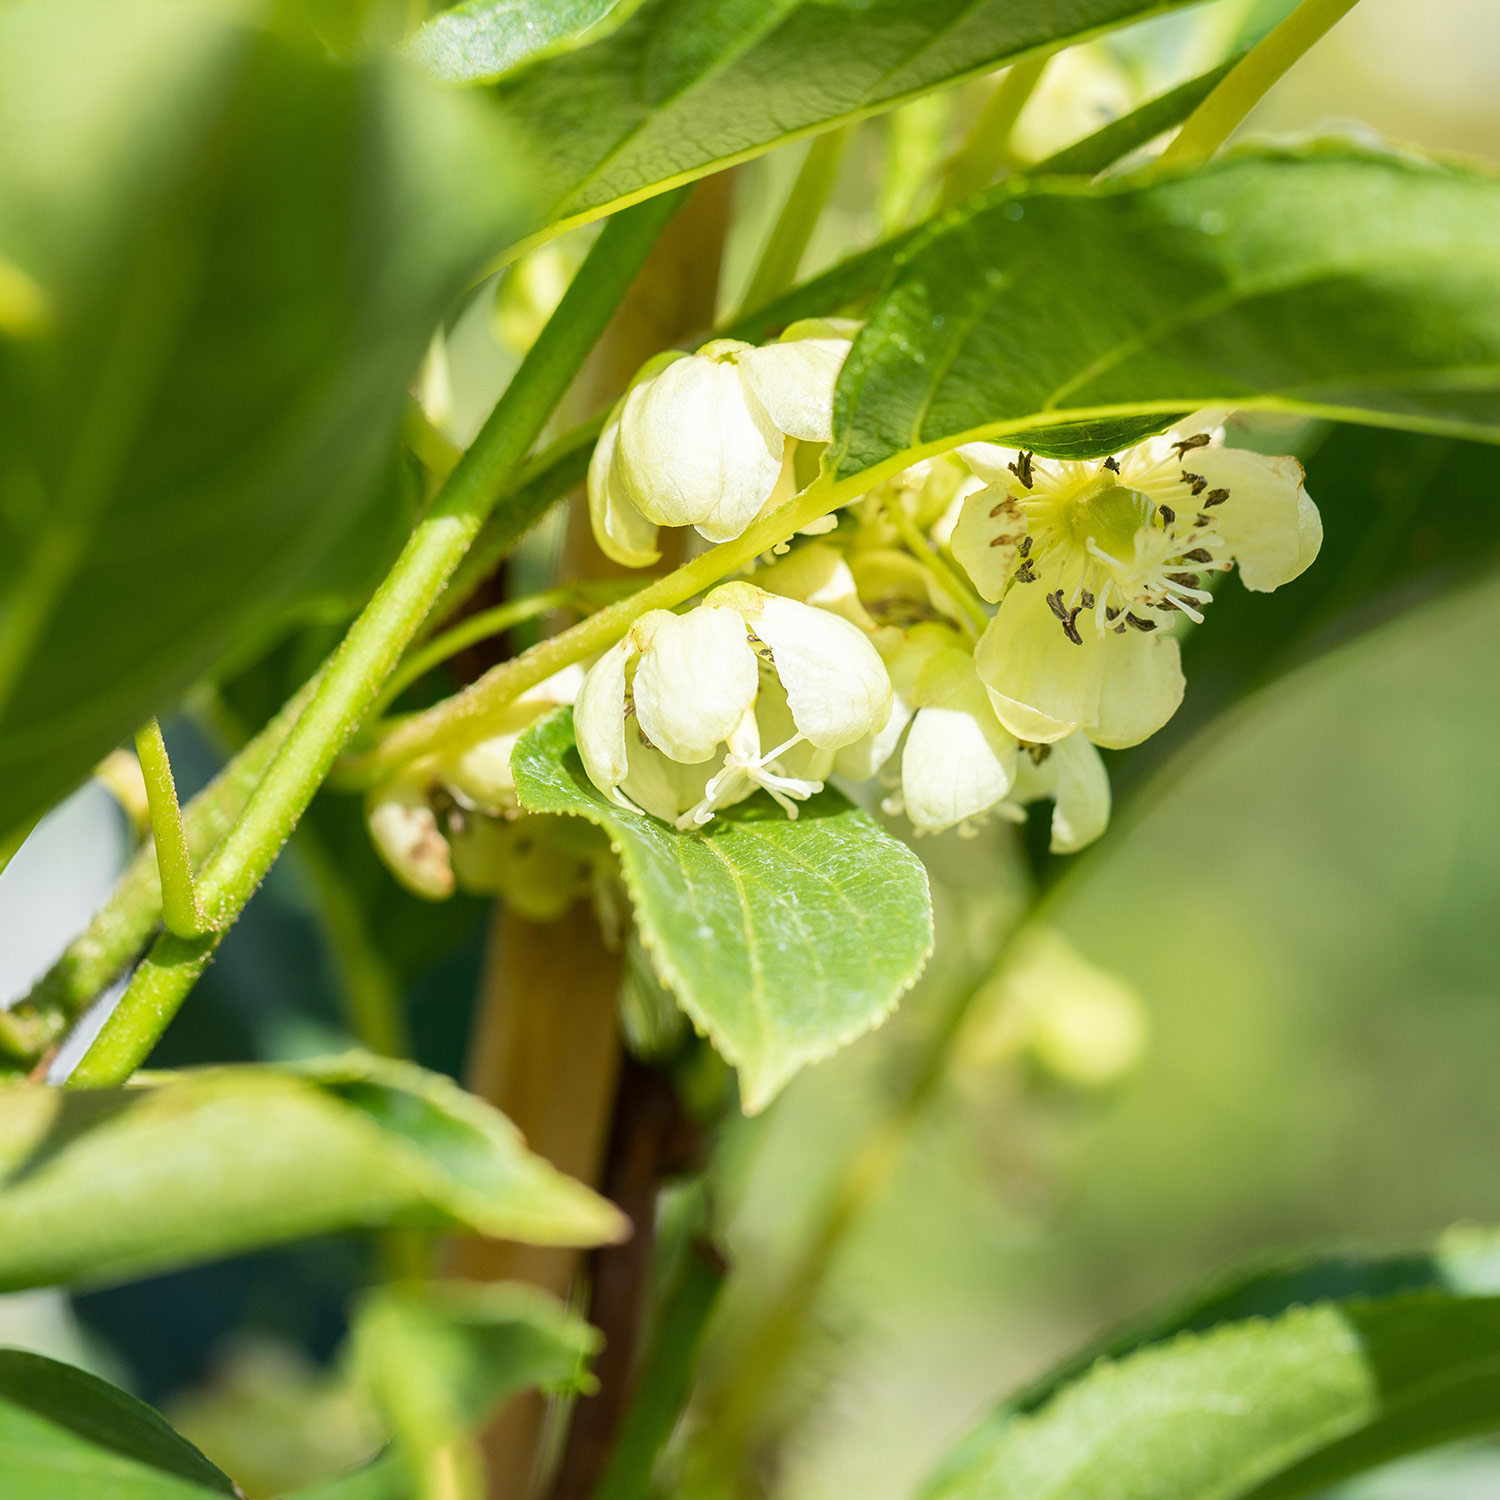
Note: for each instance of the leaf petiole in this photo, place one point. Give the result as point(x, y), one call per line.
point(1247, 83)
point(181, 911)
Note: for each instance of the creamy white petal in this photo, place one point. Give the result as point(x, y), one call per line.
point(794, 381)
point(1043, 685)
point(694, 452)
point(1140, 687)
point(1080, 783)
point(991, 462)
point(621, 531)
point(835, 682)
point(1263, 518)
point(599, 720)
point(695, 682)
point(662, 787)
point(958, 761)
point(817, 574)
point(987, 538)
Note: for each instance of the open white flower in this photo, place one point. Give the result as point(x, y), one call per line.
point(958, 764)
point(705, 439)
point(673, 718)
point(1092, 562)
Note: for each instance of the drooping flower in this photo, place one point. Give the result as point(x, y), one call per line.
point(676, 717)
point(957, 763)
point(1092, 563)
point(707, 439)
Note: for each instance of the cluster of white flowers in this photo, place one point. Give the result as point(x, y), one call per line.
point(854, 656)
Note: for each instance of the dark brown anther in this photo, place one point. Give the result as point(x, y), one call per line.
point(1198, 554)
point(1202, 521)
point(1139, 623)
point(1187, 580)
point(1198, 440)
point(1055, 604)
point(1215, 497)
point(1195, 482)
point(1025, 546)
point(1070, 629)
point(1086, 600)
point(1038, 753)
point(1112, 464)
point(1111, 613)
point(1025, 574)
point(1021, 468)
point(1168, 515)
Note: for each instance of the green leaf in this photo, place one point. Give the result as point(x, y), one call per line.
point(1353, 284)
point(439, 1356)
point(65, 1434)
point(238, 251)
point(782, 940)
point(1271, 1382)
point(488, 38)
point(684, 87)
point(105, 1185)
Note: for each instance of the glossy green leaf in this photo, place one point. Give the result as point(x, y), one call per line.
point(1271, 1382)
point(488, 38)
point(684, 87)
point(439, 1356)
point(238, 250)
point(1352, 284)
point(104, 1185)
point(782, 940)
point(65, 1434)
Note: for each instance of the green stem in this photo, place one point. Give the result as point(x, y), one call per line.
point(466, 715)
point(474, 628)
point(988, 149)
point(181, 911)
point(1246, 84)
point(375, 642)
point(799, 216)
point(665, 1377)
point(948, 578)
point(124, 924)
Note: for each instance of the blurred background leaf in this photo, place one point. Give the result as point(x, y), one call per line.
point(113, 1183)
point(65, 1433)
point(240, 251)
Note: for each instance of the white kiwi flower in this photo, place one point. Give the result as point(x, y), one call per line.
point(958, 764)
point(706, 439)
point(676, 718)
point(1092, 563)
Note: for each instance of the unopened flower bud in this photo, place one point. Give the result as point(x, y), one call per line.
point(404, 829)
point(705, 439)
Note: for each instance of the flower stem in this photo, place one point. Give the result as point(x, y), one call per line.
point(181, 911)
point(988, 148)
point(794, 227)
point(375, 642)
point(1214, 121)
point(586, 597)
point(464, 716)
point(946, 577)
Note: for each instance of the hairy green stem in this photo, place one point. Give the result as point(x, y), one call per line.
point(1247, 83)
point(585, 597)
point(181, 911)
point(988, 148)
point(124, 924)
point(777, 268)
point(376, 641)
